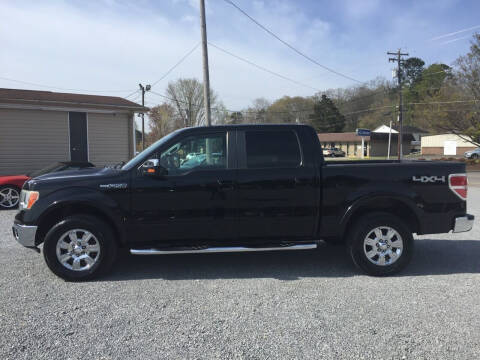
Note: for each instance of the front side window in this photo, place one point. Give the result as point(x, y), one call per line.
point(272, 149)
point(194, 152)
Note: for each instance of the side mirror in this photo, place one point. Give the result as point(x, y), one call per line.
point(157, 171)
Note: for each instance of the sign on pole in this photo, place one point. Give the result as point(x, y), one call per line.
point(363, 132)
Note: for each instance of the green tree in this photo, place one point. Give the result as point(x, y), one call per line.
point(236, 117)
point(429, 85)
point(326, 117)
point(290, 110)
point(412, 70)
point(455, 107)
point(354, 101)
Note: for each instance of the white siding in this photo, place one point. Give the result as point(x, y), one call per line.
point(108, 138)
point(32, 139)
point(439, 140)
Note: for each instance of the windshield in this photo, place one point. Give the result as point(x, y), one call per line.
point(142, 156)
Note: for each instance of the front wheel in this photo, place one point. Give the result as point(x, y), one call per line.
point(475, 156)
point(79, 248)
point(380, 244)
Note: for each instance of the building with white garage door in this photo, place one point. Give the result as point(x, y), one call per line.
point(446, 144)
point(38, 128)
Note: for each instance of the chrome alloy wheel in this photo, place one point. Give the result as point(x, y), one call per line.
point(383, 246)
point(78, 250)
point(9, 197)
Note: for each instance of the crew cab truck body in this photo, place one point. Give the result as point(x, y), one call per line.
point(239, 188)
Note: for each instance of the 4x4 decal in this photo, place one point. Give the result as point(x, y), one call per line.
point(429, 179)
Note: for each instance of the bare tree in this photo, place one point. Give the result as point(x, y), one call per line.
point(186, 96)
point(162, 122)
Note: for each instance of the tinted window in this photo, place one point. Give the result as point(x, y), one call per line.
point(272, 149)
point(194, 152)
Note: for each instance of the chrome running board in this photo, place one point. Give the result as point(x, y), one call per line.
point(221, 249)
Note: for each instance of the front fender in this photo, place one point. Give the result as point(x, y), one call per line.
point(83, 198)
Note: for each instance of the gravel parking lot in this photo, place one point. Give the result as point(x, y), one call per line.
point(305, 304)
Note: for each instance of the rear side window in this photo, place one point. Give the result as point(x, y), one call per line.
point(272, 149)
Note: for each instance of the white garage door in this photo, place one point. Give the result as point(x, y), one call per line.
point(450, 147)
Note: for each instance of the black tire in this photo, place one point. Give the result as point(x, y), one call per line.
point(357, 247)
point(101, 232)
point(13, 189)
point(474, 156)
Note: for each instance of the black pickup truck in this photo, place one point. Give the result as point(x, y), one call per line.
point(239, 188)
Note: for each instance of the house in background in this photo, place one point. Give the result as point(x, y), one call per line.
point(349, 142)
point(379, 141)
point(41, 127)
point(379, 144)
point(446, 144)
point(375, 145)
point(384, 129)
point(416, 133)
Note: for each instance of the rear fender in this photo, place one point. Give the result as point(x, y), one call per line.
point(401, 206)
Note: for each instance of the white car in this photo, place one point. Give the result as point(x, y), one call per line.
point(333, 152)
point(472, 154)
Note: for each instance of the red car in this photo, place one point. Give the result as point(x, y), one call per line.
point(10, 185)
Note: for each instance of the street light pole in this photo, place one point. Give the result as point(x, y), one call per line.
point(143, 89)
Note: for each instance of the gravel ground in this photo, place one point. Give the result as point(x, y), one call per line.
point(304, 304)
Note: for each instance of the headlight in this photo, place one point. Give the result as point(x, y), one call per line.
point(28, 198)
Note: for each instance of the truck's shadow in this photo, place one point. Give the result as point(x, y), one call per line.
point(432, 257)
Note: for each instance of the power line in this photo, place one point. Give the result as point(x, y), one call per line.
point(177, 64)
point(445, 102)
point(291, 46)
point(169, 70)
point(136, 97)
point(187, 103)
point(262, 68)
point(60, 88)
point(135, 92)
point(246, 112)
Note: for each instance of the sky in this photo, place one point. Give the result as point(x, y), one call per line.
point(107, 47)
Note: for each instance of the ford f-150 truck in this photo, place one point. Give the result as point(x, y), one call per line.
point(239, 188)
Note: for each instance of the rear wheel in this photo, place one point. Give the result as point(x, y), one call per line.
point(380, 244)
point(79, 248)
point(9, 197)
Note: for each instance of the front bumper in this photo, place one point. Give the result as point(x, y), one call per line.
point(24, 234)
point(463, 223)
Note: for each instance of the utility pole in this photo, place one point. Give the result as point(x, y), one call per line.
point(143, 89)
point(206, 77)
point(398, 59)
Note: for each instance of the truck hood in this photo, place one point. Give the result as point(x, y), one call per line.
point(88, 177)
point(78, 173)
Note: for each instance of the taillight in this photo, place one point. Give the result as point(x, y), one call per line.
point(458, 183)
